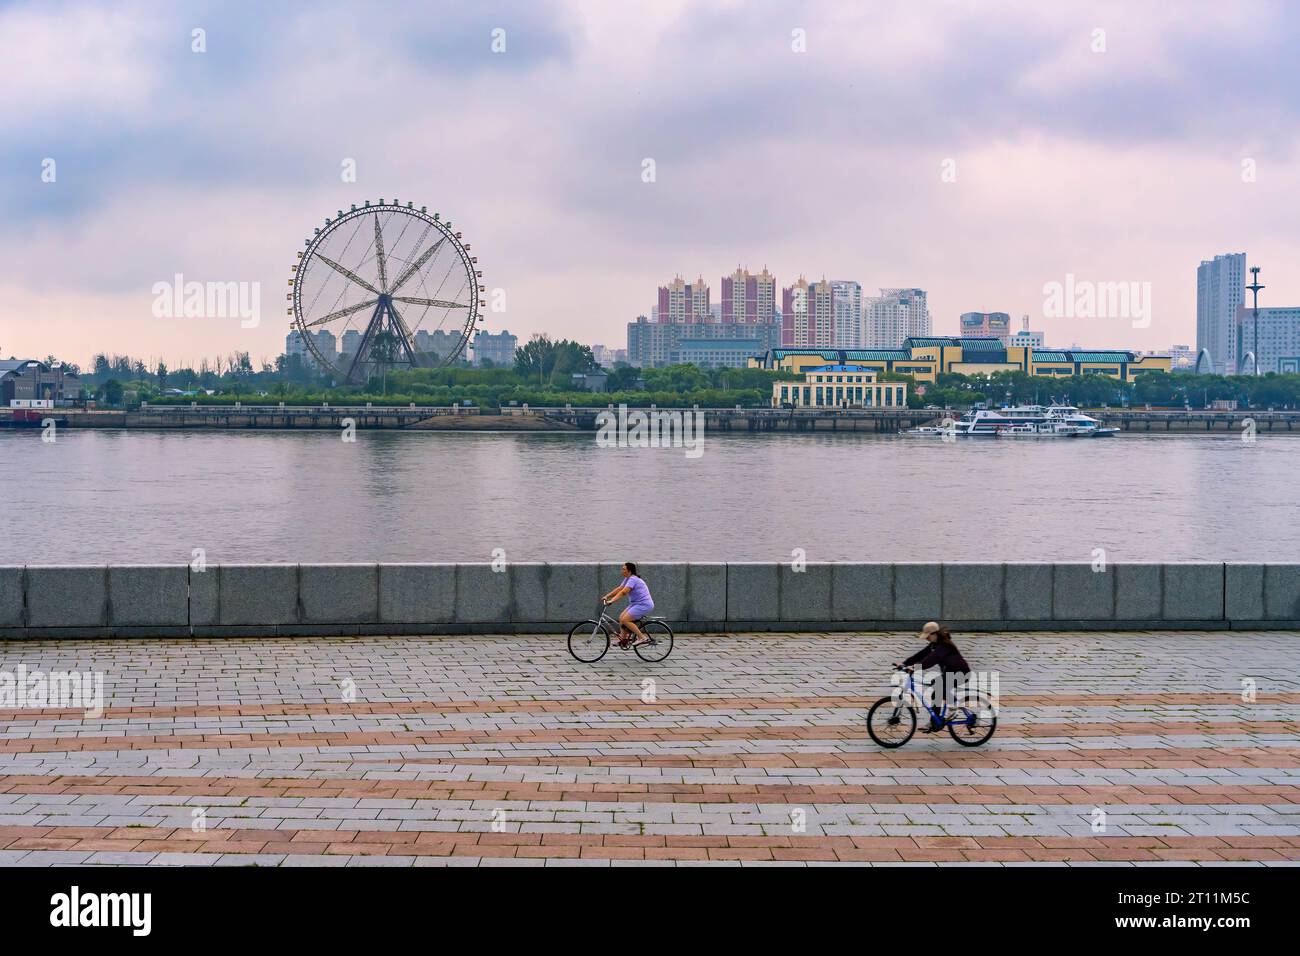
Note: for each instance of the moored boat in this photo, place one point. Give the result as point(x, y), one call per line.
point(1020, 421)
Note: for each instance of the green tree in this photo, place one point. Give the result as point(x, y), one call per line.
point(383, 352)
point(110, 392)
point(545, 361)
point(623, 379)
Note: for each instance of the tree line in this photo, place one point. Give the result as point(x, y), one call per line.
point(544, 370)
point(1157, 389)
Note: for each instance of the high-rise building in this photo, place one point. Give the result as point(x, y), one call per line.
point(846, 299)
point(439, 344)
point(1277, 348)
point(707, 344)
point(607, 357)
point(325, 344)
point(894, 315)
point(495, 347)
point(748, 299)
point(985, 324)
point(681, 301)
point(1220, 292)
point(323, 340)
point(351, 342)
point(808, 315)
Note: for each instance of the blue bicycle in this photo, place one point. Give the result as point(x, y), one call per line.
point(891, 722)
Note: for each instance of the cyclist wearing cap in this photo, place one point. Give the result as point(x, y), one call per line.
point(942, 653)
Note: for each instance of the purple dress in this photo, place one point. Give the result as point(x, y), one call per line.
point(639, 603)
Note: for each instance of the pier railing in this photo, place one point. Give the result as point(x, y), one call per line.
point(342, 599)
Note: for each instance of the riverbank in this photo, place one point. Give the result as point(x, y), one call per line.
point(223, 418)
point(586, 418)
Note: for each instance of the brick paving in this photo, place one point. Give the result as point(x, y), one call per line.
point(1112, 749)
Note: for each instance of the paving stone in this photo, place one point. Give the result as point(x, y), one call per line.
point(448, 733)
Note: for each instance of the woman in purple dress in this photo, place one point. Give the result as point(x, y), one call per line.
point(639, 604)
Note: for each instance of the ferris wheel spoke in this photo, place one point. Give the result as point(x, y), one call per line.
point(436, 303)
point(383, 263)
point(342, 312)
point(347, 272)
point(418, 264)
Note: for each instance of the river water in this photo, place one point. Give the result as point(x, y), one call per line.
point(135, 497)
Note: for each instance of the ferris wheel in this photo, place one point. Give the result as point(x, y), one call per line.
point(391, 284)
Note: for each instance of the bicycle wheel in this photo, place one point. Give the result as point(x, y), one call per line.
point(890, 722)
point(588, 641)
point(661, 642)
point(973, 721)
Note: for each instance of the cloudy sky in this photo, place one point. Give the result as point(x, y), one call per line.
point(1116, 142)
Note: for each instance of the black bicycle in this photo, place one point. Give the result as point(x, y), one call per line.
point(589, 640)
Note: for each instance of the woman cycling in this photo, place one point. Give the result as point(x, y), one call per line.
point(638, 605)
point(942, 653)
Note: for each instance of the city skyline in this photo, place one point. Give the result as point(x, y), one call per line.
point(1018, 154)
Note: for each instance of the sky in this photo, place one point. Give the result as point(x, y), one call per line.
point(978, 151)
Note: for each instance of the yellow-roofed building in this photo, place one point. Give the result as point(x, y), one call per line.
point(839, 386)
point(925, 358)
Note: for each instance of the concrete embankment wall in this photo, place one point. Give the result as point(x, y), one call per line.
point(292, 599)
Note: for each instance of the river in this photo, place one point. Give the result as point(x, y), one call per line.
point(146, 497)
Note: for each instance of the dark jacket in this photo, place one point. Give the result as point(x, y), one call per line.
point(941, 654)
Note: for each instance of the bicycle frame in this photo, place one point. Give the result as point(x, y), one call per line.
point(918, 697)
point(603, 617)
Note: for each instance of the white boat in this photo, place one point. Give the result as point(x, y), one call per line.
point(1020, 421)
point(1088, 426)
point(976, 424)
point(1047, 429)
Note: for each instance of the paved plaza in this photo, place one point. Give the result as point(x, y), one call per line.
point(1114, 749)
